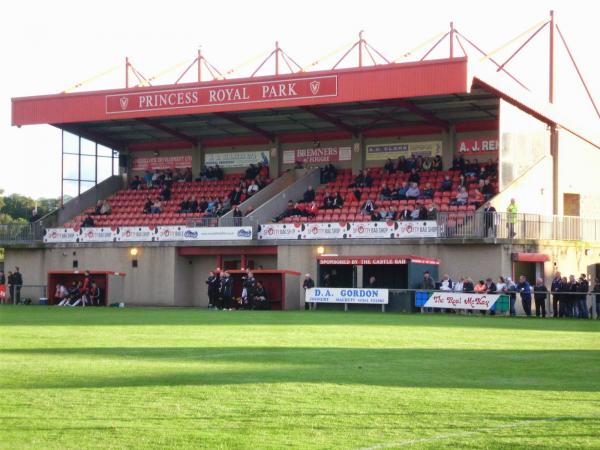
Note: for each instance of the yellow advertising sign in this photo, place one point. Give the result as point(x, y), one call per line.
point(406, 149)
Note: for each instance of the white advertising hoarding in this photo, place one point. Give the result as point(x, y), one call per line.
point(362, 296)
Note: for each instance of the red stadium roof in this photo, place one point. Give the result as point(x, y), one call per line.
point(424, 97)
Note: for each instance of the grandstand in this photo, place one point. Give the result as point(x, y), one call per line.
point(352, 118)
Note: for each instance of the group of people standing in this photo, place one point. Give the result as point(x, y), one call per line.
point(80, 293)
point(14, 280)
point(221, 292)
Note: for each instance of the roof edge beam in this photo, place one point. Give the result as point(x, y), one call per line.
point(428, 116)
point(168, 130)
point(249, 126)
point(332, 120)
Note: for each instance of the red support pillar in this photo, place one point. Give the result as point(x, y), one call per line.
point(244, 262)
point(219, 262)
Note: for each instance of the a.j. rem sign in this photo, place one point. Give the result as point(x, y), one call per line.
point(347, 295)
point(250, 92)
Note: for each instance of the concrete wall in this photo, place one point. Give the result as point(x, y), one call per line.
point(165, 278)
point(532, 190)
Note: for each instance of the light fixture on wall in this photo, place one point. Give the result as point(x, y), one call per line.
point(133, 251)
point(320, 250)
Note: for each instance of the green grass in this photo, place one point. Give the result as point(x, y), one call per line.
point(182, 378)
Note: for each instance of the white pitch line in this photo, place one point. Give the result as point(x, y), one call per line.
point(440, 437)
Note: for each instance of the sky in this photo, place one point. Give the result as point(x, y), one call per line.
point(48, 47)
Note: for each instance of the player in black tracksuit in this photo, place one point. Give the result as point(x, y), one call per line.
point(213, 283)
point(225, 291)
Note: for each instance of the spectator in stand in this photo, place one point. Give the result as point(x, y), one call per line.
point(98, 207)
point(338, 201)
point(88, 222)
point(477, 199)
point(312, 209)
point(596, 290)
point(156, 207)
point(193, 205)
point(582, 287)
point(462, 181)
point(524, 288)
point(328, 173)
point(237, 216)
point(428, 192)
point(385, 193)
point(488, 189)
point(263, 170)
point(405, 214)
point(235, 196)
point(500, 284)
point(251, 172)
point(327, 201)
point(184, 206)
point(291, 210)
point(368, 207)
point(252, 189)
point(218, 173)
point(437, 163)
point(555, 289)
point(482, 175)
point(368, 179)
point(136, 183)
point(432, 212)
point(225, 292)
point(148, 178)
point(511, 217)
point(226, 204)
point(462, 197)
point(489, 220)
point(415, 213)
point(458, 163)
point(540, 293)
point(384, 213)
point(389, 167)
point(309, 195)
point(165, 193)
point(393, 213)
point(422, 211)
point(376, 215)
point(400, 193)
point(147, 206)
point(414, 176)
point(413, 191)
point(490, 288)
point(105, 209)
point(446, 185)
point(426, 164)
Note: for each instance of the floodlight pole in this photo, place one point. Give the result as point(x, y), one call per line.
point(554, 147)
point(126, 71)
point(277, 58)
point(451, 40)
point(551, 60)
point(360, 48)
point(199, 64)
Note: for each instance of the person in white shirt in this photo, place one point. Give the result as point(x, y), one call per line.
point(252, 189)
point(60, 295)
point(446, 283)
point(458, 286)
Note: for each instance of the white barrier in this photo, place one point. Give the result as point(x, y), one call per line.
point(146, 234)
point(349, 230)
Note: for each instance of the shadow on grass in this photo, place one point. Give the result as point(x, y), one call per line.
point(53, 316)
point(574, 370)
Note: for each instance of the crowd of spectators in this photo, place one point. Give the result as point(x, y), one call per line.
point(569, 295)
point(252, 181)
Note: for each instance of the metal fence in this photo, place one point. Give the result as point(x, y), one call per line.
point(16, 232)
point(517, 226)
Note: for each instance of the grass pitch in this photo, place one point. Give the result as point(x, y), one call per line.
point(181, 378)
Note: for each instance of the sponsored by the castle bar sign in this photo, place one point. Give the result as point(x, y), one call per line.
point(227, 94)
